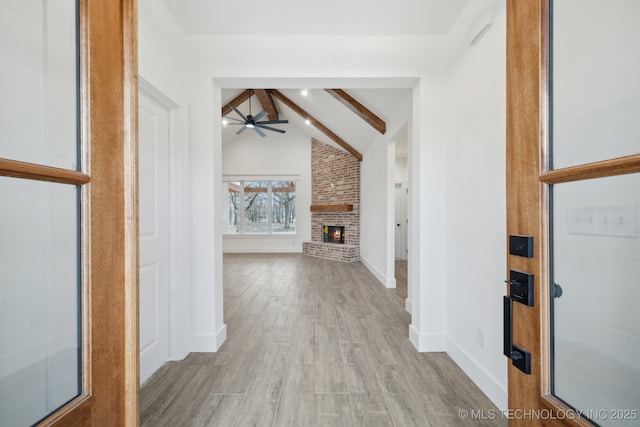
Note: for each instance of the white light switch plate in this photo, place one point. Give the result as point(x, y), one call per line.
point(619, 220)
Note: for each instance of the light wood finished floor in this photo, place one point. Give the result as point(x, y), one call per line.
point(311, 342)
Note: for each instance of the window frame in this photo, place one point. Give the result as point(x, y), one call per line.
point(243, 182)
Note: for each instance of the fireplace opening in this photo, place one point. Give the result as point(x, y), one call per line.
point(333, 234)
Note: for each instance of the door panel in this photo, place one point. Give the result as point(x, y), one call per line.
point(401, 221)
point(577, 376)
point(153, 178)
point(595, 62)
point(596, 325)
point(39, 299)
point(38, 111)
point(94, 109)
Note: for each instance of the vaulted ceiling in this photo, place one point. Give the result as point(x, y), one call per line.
point(335, 116)
point(333, 120)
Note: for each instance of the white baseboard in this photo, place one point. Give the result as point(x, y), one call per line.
point(263, 250)
point(495, 391)
point(427, 342)
point(208, 343)
point(387, 282)
point(391, 283)
point(408, 305)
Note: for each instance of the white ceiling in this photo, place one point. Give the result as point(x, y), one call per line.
point(319, 17)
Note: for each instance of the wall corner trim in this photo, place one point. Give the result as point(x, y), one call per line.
point(208, 343)
point(426, 343)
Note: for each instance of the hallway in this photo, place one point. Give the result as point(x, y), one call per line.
point(311, 342)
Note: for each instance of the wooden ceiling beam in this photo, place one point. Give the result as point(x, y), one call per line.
point(244, 95)
point(264, 96)
point(317, 124)
point(360, 110)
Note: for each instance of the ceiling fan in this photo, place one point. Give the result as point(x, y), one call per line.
point(253, 122)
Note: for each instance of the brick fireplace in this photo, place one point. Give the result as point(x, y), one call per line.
point(335, 202)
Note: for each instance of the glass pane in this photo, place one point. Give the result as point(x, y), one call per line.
point(39, 299)
point(256, 208)
point(283, 209)
point(38, 88)
point(596, 90)
point(596, 321)
point(231, 213)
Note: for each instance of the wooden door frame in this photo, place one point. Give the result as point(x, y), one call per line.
point(528, 181)
point(109, 128)
point(527, 197)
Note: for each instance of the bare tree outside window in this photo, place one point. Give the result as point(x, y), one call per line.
point(260, 207)
point(284, 207)
point(256, 215)
point(232, 205)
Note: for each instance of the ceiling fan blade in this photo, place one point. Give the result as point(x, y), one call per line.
point(259, 115)
point(262, 134)
point(273, 122)
point(238, 112)
point(242, 129)
point(233, 118)
point(260, 125)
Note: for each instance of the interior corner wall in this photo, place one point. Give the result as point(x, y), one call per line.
point(163, 63)
point(377, 238)
point(286, 154)
point(476, 200)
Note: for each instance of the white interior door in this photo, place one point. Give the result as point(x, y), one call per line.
point(154, 235)
point(401, 221)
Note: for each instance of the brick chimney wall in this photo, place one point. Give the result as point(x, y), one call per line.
point(335, 180)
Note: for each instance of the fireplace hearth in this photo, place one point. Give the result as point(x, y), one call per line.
point(333, 234)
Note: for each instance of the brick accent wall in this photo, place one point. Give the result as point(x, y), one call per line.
point(335, 180)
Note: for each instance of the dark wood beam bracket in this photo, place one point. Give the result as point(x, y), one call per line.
point(244, 95)
point(317, 124)
point(264, 96)
point(363, 112)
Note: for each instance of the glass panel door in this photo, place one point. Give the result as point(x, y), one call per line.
point(39, 299)
point(595, 247)
point(41, 319)
point(596, 322)
point(38, 97)
point(596, 64)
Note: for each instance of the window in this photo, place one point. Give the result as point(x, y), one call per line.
point(259, 207)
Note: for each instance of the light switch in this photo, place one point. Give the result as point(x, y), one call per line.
point(605, 220)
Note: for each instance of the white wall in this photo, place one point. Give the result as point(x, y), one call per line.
point(475, 200)
point(164, 71)
point(402, 171)
point(287, 154)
